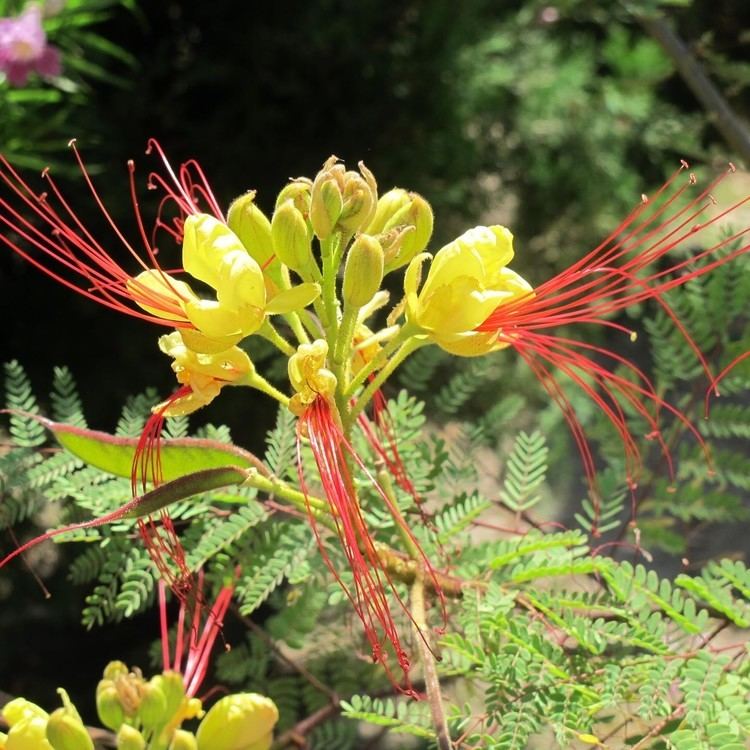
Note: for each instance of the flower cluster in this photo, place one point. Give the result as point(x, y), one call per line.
point(318, 263)
point(149, 714)
point(24, 49)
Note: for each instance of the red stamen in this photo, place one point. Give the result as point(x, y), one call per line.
point(368, 594)
point(57, 242)
point(615, 275)
point(201, 639)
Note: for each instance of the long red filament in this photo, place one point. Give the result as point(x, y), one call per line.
point(613, 276)
point(58, 243)
point(367, 595)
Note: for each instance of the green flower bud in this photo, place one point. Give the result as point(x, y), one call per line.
point(326, 204)
point(183, 740)
point(360, 199)
point(243, 721)
point(363, 272)
point(153, 709)
point(291, 240)
point(65, 731)
point(298, 191)
point(388, 205)
point(253, 228)
point(129, 738)
point(115, 669)
point(357, 193)
point(108, 706)
point(172, 687)
point(415, 216)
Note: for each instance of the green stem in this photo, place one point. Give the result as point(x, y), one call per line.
point(269, 333)
point(384, 480)
point(272, 485)
point(261, 384)
point(297, 328)
point(378, 361)
point(408, 347)
point(344, 339)
point(329, 252)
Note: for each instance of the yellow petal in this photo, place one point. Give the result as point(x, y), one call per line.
point(472, 344)
point(296, 298)
point(159, 294)
point(240, 281)
point(206, 241)
point(198, 342)
point(212, 319)
point(412, 280)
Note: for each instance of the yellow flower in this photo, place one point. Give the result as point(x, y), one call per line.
point(466, 282)
point(28, 726)
point(309, 376)
point(243, 721)
point(204, 374)
point(215, 255)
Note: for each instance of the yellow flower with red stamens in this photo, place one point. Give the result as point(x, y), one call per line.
point(466, 282)
point(309, 376)
point(204, 374)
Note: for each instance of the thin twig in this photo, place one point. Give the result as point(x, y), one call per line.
point(429, 668)
point(732, 128)
point(299, 668)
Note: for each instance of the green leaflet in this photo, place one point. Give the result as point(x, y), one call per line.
point(184, 487)
point(150, 502)
point(177, 458)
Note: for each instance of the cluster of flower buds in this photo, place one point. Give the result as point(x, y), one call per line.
point(144, 715)
point(259, 267)
point(32, 728)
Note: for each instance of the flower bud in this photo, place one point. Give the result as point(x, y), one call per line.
point(388, 205)
point(357, 192)
point(19, 709)
point(326, 204)
point(360, 199)
point(416, 217)
point(298, 191)
point(172, 687)
point(291, 240)
point(28, 734)
point(183, 740)
point(253, 228)
point(403, 224)
point(129, 738)
point(65, 731)
point(363, 272)
point(153, 709)
point(108, 706)
point(115, 669)
point(238, 722)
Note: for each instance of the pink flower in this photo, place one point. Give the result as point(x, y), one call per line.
point(24, 49)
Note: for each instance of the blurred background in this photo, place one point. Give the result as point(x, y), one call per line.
point(552, 118)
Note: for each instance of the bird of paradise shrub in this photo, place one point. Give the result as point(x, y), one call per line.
point(319, 263)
